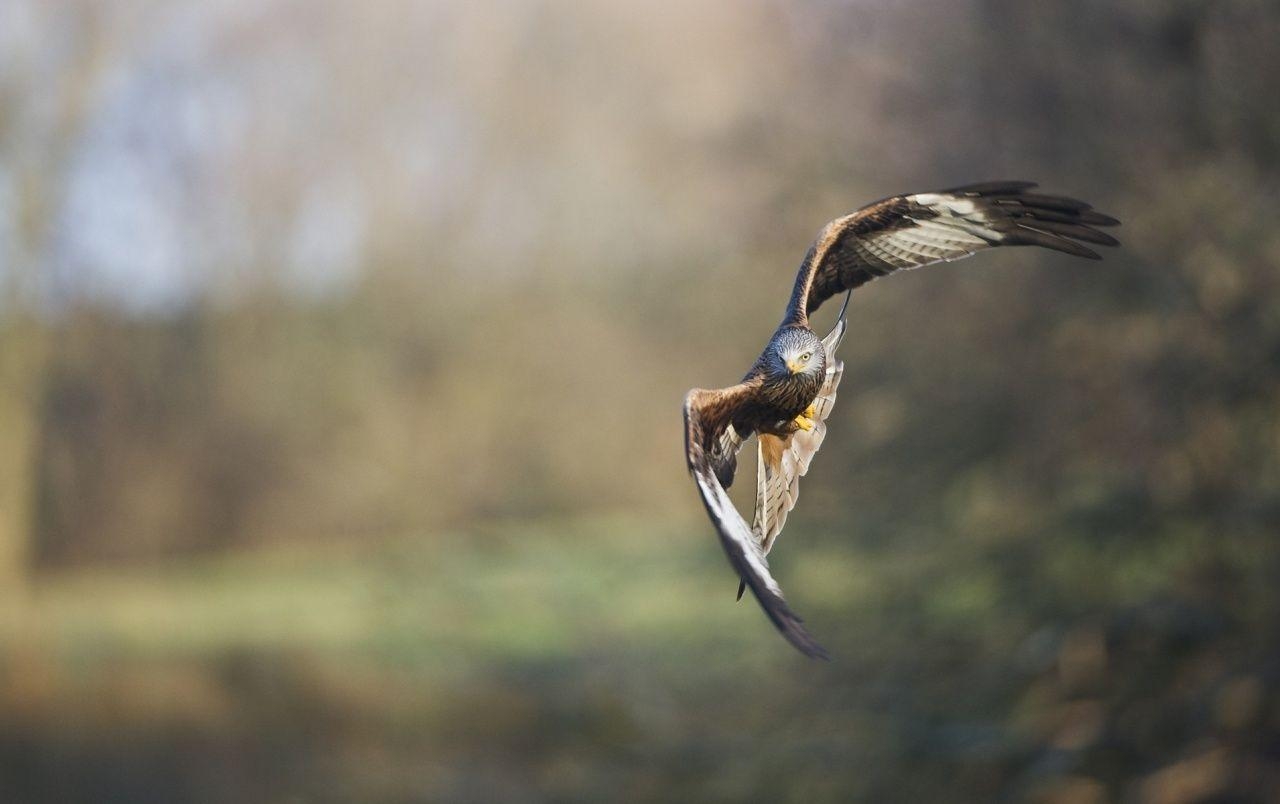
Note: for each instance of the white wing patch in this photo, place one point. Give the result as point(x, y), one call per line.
point(733, 528)
point(959, 229)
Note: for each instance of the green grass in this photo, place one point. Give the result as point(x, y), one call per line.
point(574, 658)
point(508, 593)
point(555, 654)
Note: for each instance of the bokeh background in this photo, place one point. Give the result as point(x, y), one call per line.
point(342, 348)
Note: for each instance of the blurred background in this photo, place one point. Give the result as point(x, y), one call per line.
point(342, 348)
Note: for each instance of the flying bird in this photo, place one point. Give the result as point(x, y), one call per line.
point(786, 397)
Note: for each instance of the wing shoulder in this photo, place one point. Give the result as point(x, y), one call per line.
point(711, 438)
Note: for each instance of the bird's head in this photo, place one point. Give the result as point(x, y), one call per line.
point(796, 351)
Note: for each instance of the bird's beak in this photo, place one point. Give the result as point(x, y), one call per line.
point(794, 366)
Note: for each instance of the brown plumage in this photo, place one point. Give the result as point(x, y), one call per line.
point(787, 395)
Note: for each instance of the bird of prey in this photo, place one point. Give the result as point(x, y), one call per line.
point(785, 398)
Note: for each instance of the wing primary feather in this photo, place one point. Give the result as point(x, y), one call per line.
point(1087, 217)
point(1077, 231)
point(1025, 235)
point(752, 568)
point(1049, 202)
point(706, 414)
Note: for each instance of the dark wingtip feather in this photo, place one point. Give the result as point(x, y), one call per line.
point(1049, 221)
point(1086, 217)
point(1099, 238)
point(1095, 218)
point(1076, 231)
point(818, 652)
point(802, 641)
point(1025, 236)
point(774, 606)
point(742, 587)
point(789, 624)
point(779, 613)
point(1036, 200)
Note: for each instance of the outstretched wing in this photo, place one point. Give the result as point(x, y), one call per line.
point(783, 461)
point(708, 417)
point(909, 231)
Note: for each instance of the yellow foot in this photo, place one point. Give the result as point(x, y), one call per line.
point(810, 412)
point(803, 422)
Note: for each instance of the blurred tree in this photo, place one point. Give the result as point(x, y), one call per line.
point(39, 134)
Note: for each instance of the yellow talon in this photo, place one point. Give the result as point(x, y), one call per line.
point(810, 412)
point(804, 423)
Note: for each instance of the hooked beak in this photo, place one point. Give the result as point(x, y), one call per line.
point(794, 366)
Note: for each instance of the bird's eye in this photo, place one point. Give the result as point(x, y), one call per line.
point(806, 355)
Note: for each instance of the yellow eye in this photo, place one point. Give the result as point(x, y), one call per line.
point(806, 356)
